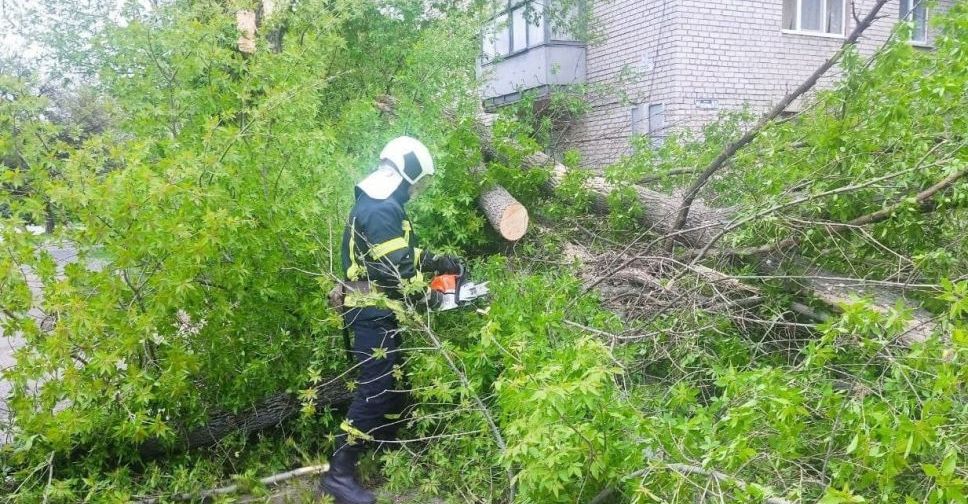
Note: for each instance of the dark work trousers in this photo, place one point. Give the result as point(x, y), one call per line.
point(378, 400)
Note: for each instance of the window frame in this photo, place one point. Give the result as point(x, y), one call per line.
point(508, 9)
point(909, 18)
point(799, 30)
point(646, 118)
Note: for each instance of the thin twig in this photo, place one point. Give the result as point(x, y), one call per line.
point(205, 495)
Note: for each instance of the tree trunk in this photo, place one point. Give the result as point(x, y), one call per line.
point(659, 210)
point(705, 223)
point(508, 216)
point(49, 220)
point(271, 412)
point(275, 36)
point(245, 23)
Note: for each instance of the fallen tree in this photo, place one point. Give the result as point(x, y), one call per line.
point(707, 224)
point(682, 215)
point(658, 209)
point(270, 412)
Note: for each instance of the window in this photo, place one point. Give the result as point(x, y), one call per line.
point(817, 16)
point(656, 119)
point(502, 37)
point(565, 23)
point(648, 119)
point(536, 27)
point(916, 12)
point(519, 30)
point(639, 124)
point(517, 26)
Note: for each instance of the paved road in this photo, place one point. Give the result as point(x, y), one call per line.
point(62, 254)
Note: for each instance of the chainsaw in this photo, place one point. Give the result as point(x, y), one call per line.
point(456, 291)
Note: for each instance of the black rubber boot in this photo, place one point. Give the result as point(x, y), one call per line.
point(340, 481)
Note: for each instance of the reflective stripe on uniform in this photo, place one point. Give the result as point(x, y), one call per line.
point(353, 434)
point(381, 249)
point(375, 300)
point(354, 272)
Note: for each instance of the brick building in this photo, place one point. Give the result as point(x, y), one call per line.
point(678, 63)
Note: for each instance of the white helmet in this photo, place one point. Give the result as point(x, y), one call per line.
point(403, 159)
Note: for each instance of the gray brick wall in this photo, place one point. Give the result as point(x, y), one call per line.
point(635, 63)
point(731, 53)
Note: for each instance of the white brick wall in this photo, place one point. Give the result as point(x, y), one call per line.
point(731, 51)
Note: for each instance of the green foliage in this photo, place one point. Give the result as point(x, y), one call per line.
point(900, 116)
point(848, 417)
point(206, 220)
point(554, 397)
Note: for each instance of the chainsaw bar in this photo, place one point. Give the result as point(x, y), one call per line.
point(471, 291)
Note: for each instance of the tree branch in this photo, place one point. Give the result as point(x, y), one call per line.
point(921, 199)
point(686, 469)
point(766, 119)
point(205, 495)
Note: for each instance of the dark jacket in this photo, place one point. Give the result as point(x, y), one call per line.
point(384, 244)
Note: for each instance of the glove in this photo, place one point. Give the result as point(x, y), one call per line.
point(434, 299)
point(444, 264)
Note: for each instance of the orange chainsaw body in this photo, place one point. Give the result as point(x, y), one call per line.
point(445, 284)
point(455, 291)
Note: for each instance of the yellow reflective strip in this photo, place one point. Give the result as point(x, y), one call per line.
point(392, 416)
point(417, 253)
point(353, 434)
point(357, 300)
point(406, 230)
point(376, 300)
point(381, 249)
point(354, 272)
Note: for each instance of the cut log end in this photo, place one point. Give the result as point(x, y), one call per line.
point(245, 22)
point(506, 214)
point(514, 222)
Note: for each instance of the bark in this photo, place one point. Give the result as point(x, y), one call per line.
point(659, 210)
point(835, 292)
point(249, 22)
point(275, 36)
point(271, 412)
point(245, 23)
point(507, 216)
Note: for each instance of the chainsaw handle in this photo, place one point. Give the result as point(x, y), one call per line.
point(460, 281)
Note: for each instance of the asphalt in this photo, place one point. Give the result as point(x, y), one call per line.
point(63, 255)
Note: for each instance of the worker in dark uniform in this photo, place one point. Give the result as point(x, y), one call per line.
point(383, 268)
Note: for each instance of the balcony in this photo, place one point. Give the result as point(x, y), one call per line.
point(523, 49)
